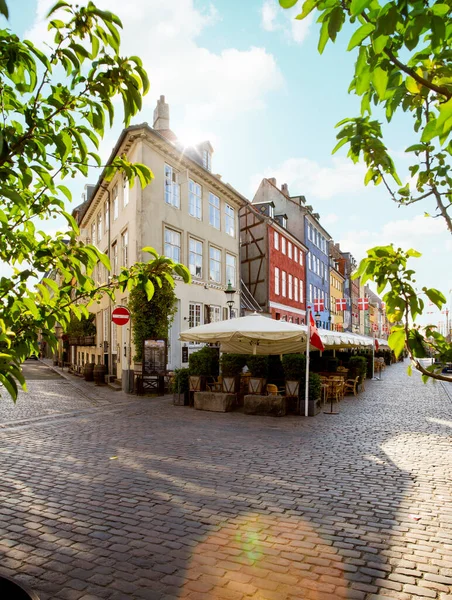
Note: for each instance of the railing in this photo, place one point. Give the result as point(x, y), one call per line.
point(83, 340)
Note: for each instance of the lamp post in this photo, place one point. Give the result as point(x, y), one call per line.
point(317, 319)
point(230, 292)
point(329, 322)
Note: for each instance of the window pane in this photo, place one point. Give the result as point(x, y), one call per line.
point(214, 211)
point(195, 258)
point(194, 199)
point(230, 220)
point(172, 244)
point(231, 269)
point(215, 265)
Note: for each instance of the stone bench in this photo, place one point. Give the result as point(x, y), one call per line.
point(215, 401)
point(270, 406)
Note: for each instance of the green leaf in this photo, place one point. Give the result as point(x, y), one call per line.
point(396, 341)
point(4, 9)
point(287, 3)
point(440, 9)
point(360, 34)
point(357, 6)
point(149, 289)
point(435, 296)
point(308, 7)
point(380, 81)
point(430, 131)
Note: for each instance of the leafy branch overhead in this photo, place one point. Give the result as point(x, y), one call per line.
point(50, 131)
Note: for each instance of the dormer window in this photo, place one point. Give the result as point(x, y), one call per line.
point(271, 211)
point(284, 221)
point(206, 159)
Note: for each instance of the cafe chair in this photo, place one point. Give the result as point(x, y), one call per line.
point(351, 385)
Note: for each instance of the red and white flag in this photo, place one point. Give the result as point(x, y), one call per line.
point(374, 327)
point(363, 303)
point(314, 338)
point(341, 304)
point(319, 304)
point(377, 345)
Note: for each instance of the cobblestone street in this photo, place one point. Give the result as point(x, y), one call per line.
point(105, 495)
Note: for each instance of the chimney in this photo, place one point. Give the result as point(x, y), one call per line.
point(272, 180)
point(161, 115)
point(285, 190)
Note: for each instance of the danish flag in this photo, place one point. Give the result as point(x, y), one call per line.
point(374, 327)
point(315, 339)
point(341, 304)
point(363, 303)
point(319, 304)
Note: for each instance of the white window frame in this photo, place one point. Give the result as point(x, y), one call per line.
point(107, 215)
point(125, 192)
point(214, 211)
point(194, 264)
point(229, 215)
point(170, 243)
point(276, 240)
point(283, 283)
point(114, 258)
point(283, 244)
point(295, 254)
point(301, 292)
point(300, 257)
point(99, 227)
point(289, 249)
point(125, 248)
point(295, 289)
point(93, 232)
point(206, 160)
point(171, 186)
point(214, 313)
point(115, 195)
point(310, 292)
point(194, 314)
point(216, 260)
point(194, 199)
point(290, 283)
point(277, 281)
point(231, 269)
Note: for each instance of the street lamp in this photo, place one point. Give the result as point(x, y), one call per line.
point(230, 292)
point(329, 322)
point(317, 319)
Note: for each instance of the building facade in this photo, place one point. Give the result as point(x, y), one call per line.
point(187, 213)
point(336, 293)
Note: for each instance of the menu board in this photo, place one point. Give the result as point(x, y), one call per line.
point(154, 357)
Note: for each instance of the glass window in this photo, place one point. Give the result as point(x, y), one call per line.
point(172, 244)
point(195, 258)
point(290, 286)
point(125, 248)
point(206, 160)
point(93, 232)
point(107, 215)
point(214, 313)
point(283, 283)
point(295, 254)
point(125, 192)
point(301, 258)
point(99, 227)
point(276, 280)
point(214, 210)
point(310, 293)
point(301, 291)
point(115, 203)
point(231, 269)
point(194, 199)
point(276, 240)
point(229, 220)
point(295, 289)
point(114, 258)
point(309, 261)
point(194, 314)
point(172, 188)
point(215, 264)
point(283, 245)
point(289, 249)
point(106, 323)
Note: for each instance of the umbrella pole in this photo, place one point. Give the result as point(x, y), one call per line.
point(306, 391)
point(373, 361)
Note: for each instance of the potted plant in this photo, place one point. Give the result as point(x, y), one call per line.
point(180, 386)
point(203, 364)
point(357, 366)
point(294, 366)
point(258, 366)
point(231, 368)
point(314, 395)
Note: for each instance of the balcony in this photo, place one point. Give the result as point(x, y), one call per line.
point(82, 340)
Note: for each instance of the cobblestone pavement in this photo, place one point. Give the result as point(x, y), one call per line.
point(127, 498)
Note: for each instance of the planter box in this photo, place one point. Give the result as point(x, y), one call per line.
point(231, 385)
point(292, 388)
point(256, 385)
point(313, 407)
point(215, 401)
point(271, 406)
point(182, 399)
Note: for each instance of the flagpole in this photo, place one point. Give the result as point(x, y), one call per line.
point(306, 392)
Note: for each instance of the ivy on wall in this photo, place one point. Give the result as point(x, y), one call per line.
point(151, 318)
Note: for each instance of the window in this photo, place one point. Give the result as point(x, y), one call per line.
point(231, 269)
point(310, 233)
point(276, 280)
point(229, 220)
point(114, 258)
point(125, 248)
point(276, 240)
point(290, 286)
point(194, 199)
point(215, 265)
point(206, 160)
point(172, 244)
point(195, 258)
point(99, 227)
point(295, 289)
point(214, 313)
point(106, 320)
point(107, 215)
point(310, 293)
point(289, 249)
point(301, 258)
point(125, 193)
point(172, 188)
point(115, 203)
point(194, 314)
point(283, 283)
point(283, 245)
point(295, 254)
point(93, 232)
point(309, 261)
point(214, 210)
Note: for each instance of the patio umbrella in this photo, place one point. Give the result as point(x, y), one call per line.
point(253, 334)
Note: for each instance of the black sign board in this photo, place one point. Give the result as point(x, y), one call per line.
point(154, 357)
point(185, 354)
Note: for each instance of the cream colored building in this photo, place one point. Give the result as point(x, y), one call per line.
point(336, 293)
point(187, 213)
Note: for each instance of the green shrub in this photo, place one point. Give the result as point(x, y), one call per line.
point(357, 366)
point(181, 382)
point(294, 366)
point(332, 364)
point(232, 364)
point(314, 387)
point(204, 362)
point(258, 366)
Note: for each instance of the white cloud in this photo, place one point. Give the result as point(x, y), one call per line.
point(330, 218)
point(307, 177)
point(206, 86)
point(274, 18)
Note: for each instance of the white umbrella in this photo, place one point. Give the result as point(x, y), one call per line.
point(253, 334)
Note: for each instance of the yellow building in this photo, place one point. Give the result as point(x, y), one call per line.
point(336, 293)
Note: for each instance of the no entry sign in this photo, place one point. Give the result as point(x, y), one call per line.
point(120, 315)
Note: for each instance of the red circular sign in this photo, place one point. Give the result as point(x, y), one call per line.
point(121, 315)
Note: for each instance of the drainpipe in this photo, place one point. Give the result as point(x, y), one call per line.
point(109, 299)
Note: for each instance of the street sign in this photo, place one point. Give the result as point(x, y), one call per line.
point(121, 315)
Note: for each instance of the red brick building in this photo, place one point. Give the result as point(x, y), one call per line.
point(273, 263)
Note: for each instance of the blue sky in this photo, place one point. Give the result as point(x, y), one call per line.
point(247, 77)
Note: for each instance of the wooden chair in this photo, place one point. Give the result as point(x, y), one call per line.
point(351, 385)
point(336, 389)
point(325, 389)
point(272, 390)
